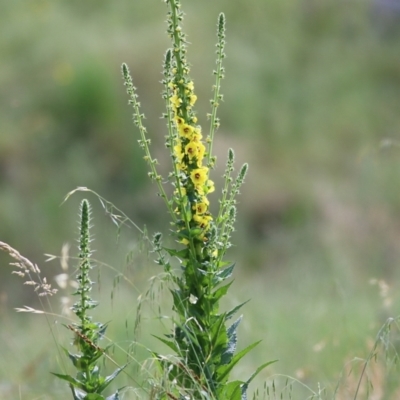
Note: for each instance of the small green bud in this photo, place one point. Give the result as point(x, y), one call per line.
point(243, 171)
point(231, 156)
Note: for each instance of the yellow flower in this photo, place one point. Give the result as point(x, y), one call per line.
point(175, 101)
point(190, 85)
point(200, 208)
point(179, 121)
point(182, 166)
point(200, 189)
point(209, 186)
point(201, 149)
point(197, 136)
point(193, 99)
point(199, 176)
point(183, 191)
point(178, 153)
point(202, 220)
point(205, 201)
point(186, 130)
point(185, 241)
point(191, 149)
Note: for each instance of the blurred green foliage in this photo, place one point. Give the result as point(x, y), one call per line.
point(311, 92)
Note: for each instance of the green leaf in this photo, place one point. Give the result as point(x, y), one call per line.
point(195, 232)
point(220, 292)
point(257, 371)
point(225, 273)
point(183, 234)
point(218, 335)
point(178, 305)
point(191, 336)
point(94, 396)
point(169, 343)
point(75, 358)
point(159, 360)
point(229, 351)
point(234, 310)
point(74, 382)
point(224, 370)
point(231, 391)
point(175, 253)
point(232, 329)
point(188, 213)
point(110, 378)
point(80, 362)
point(101, 329)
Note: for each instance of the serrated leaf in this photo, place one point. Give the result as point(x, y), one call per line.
point(232, 329)
point(232, 341)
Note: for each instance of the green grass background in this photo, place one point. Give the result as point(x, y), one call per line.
point(311, 102)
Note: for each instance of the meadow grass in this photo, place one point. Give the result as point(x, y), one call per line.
point(312, 353)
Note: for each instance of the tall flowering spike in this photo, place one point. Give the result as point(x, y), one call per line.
point(204, 343)
point(84, 282)
point(144, 142)
point(186, 140)
point(85, 233)
point(217, 98)
point(88, 383)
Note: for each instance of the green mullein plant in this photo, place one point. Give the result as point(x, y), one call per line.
point(202, 338)
point(88, 384)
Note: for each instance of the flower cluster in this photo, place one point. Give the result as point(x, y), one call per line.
point(189, 152)
point(192, 176)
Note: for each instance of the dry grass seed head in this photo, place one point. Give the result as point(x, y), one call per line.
point(25, 269)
